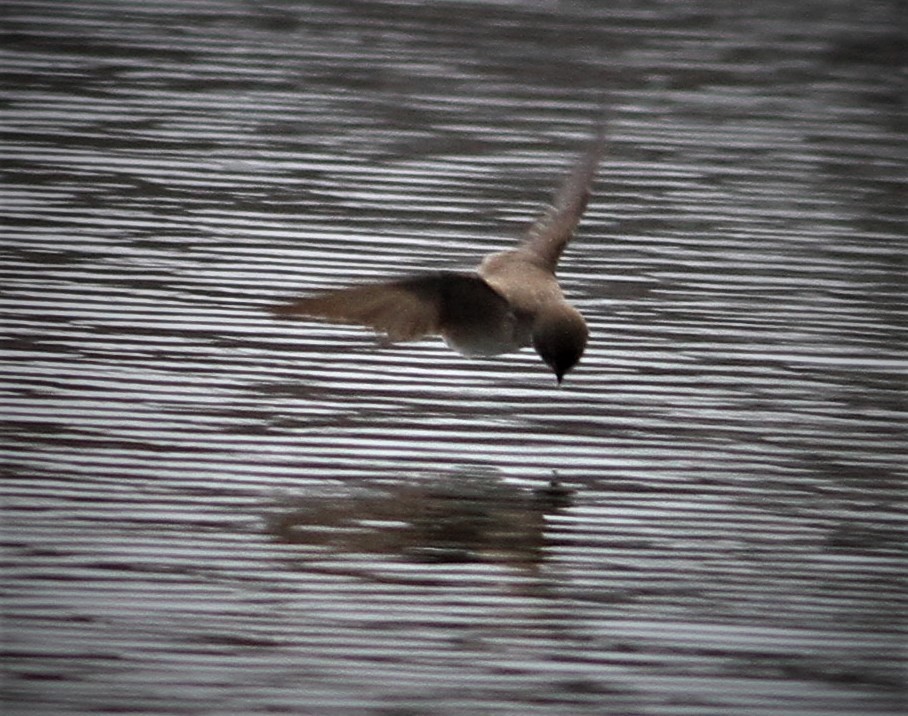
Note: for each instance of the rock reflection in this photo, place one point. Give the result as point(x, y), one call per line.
point(466, 516)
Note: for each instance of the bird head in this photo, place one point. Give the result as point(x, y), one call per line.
point(559, 337)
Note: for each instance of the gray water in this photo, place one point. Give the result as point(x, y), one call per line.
point(206, 511)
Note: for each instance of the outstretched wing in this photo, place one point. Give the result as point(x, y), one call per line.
point(405, 309)
point(551, 232)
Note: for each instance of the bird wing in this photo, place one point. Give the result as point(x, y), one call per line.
point(404, 309)
point(552, 231)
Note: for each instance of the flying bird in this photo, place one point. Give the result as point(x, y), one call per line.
point(511, 300)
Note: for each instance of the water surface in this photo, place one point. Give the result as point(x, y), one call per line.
point(208, 511)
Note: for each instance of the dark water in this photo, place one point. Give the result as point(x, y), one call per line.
point(209, 512)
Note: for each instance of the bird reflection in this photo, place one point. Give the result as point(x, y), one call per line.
point(476, 517)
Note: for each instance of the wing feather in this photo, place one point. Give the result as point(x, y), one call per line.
point(551, 232)
point(404, 309)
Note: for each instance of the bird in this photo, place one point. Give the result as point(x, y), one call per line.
point(511, 300)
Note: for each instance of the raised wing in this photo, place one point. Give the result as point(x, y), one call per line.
point(551, 232)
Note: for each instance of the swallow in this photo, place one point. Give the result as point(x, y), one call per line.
point(511, 300)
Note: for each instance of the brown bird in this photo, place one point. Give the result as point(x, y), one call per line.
point(512, 300)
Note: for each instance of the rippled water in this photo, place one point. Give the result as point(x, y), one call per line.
point(208, 511)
